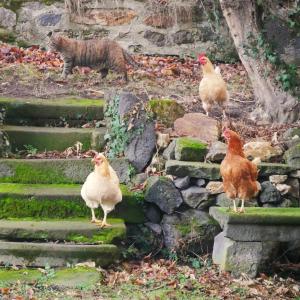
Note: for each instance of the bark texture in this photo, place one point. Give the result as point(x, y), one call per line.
point(274, 104)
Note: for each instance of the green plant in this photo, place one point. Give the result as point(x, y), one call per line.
point(30, 149)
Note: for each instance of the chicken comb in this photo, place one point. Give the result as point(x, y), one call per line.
point(201, 55)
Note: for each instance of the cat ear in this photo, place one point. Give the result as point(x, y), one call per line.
point(49, 33)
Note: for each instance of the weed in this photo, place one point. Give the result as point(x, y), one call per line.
point(30, 149)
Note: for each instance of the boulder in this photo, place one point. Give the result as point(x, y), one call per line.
point(142, 140)
point(182, 182)
point(157, 38)
point(292, 156)
point(188, 149)
point(223, 201)
point(278, 178)
point(169, 152)
point(295, 187)
point(166, 111)
point(216, 152)
point(283, 188)
point(198, 181)
point(156, 228)
point(153, 213)
point(195, 195)
point(5, 148)
point(215, 187)
point(8, 19)
point(162, 191)
point(121, 166)
point(192, 230)
point(263, 150)
point(199, 126)
point(269, 194)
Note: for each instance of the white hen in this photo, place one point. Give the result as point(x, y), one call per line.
point(101, 187)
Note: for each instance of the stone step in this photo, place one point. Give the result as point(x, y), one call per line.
point(55, 254)
point(42, 112)
point(55, 170)
point(50, 138)
point(61, 201)
point(75, 277)
point(212, 171)
point(76, 231)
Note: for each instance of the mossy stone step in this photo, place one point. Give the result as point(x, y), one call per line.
point(77, 231)
point(212, 171)
point(76, 277)
point(54, 170)
point(50, 138)
point(55, 254)
point(47, 201)
point(39, 112)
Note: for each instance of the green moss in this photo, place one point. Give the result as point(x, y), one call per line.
point(7, 36)
point(189, 149)
point(40, 201)
point(25, 275)
point(110, 235)
point(166, 110)
point(259, 215)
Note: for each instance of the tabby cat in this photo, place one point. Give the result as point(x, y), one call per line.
point(101, 54)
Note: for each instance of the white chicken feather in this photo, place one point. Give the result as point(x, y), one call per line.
point(101, 188)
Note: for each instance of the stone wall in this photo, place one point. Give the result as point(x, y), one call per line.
point(154, 27)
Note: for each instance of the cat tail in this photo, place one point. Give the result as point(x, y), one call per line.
point(129, 59)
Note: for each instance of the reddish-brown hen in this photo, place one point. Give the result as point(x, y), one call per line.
point(238, 173)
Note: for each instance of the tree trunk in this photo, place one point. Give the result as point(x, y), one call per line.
point(274, 104)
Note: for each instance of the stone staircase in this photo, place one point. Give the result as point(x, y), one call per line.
point(44, 221)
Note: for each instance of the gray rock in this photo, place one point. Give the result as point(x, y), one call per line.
point(121, 166)
point(267, 169)
point(193, 228)
point(182, 183)
point(293, 251)
point(215, 187)
point(216, 152)
point(286, 203)
point(262, 150)
point(141, 145)
point(193, 169)
point(198, 182)
point(153, 213)
point(49, 19)
point(223, 201)
point(269, 194)
point(169, 152)
point(295, 187)
point(243, 257)
point(5, 148)
point(292, 156)
point(139, 178)
point(278, 178)
point(8, 18)
point(162, 192)
point(195, 195)
point(183, 37)
point(156, 228)
point(156, 38)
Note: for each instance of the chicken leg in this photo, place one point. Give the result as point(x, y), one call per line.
point(94, 219)
point(242, 209)
point(234, 206)
point(104, 223)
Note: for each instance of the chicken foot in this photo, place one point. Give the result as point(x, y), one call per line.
point(234, 206)
point(104, 223)
point(94, 219)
